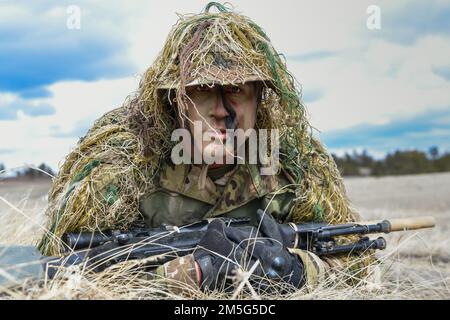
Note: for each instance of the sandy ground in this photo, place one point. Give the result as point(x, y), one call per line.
point(22, 218)
point(422, 256)
point(408, 196)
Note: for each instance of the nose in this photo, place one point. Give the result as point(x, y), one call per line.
point(219, 113)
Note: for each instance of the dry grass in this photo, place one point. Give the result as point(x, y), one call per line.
point(414, 266)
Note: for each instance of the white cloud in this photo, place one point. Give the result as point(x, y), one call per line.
point(375, 85)
point(75, 102)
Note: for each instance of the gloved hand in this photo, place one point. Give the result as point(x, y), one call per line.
point(224, 249)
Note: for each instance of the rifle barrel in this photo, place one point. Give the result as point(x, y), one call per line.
point(404, 224)
point(412, 223)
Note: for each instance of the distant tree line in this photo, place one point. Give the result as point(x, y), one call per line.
point(396, 163)
point(31, 172)
point(355, 164)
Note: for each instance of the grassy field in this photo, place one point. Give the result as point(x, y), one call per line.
point(416, 264)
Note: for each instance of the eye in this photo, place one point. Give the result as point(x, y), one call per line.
point(234, 89)
point(202, 88)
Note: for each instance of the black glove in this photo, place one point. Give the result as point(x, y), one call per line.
point(223, 249)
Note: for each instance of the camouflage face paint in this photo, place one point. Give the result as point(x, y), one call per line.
point(230, 121)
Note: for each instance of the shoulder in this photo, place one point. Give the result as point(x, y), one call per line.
point(107, 140)
point(99, 183)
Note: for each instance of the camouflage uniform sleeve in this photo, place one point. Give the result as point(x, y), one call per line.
point(315, 269)
point(180, 275)
point(320, 270)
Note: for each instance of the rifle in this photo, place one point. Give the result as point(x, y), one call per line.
point(165, 242)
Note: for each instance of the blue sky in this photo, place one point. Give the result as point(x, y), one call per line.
point(407, 23)
point(364, 89)
point(36, 49)
point(419, 131)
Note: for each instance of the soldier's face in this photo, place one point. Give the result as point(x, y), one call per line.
point(219, 108)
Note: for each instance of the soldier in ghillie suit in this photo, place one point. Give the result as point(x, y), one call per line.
point(219, 68)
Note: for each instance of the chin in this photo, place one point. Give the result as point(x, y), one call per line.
point(213, 149)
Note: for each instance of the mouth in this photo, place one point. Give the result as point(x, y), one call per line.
point(218, 134)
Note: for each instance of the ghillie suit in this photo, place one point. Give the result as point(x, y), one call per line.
point(99, 185)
